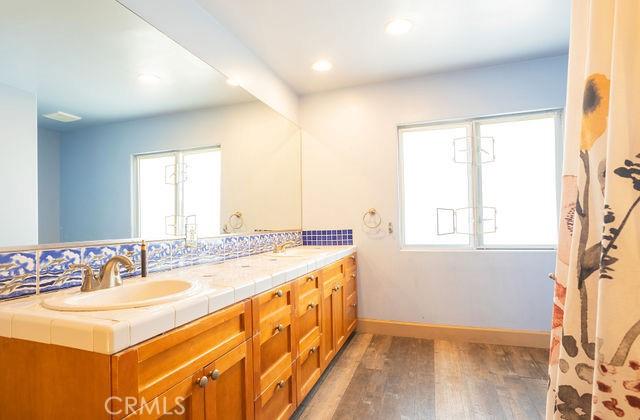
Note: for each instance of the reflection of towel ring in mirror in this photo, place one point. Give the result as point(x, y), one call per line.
point(237, 216)
point(374, 219)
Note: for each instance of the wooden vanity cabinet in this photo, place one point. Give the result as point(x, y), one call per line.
point(255, 359)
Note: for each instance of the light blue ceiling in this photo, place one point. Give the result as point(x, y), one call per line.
point(85, 57)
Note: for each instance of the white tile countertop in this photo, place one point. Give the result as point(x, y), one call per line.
point(110, 331)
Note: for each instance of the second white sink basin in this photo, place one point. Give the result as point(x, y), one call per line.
point(135, 295)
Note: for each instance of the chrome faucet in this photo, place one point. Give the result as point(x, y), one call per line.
point(280, 248)
point(109, 275)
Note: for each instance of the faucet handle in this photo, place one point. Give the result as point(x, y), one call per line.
point(89, 278)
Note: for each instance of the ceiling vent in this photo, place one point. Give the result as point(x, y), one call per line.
point(62, 117)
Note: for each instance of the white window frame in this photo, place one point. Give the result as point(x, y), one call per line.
point(474, 174)
point(179, 201)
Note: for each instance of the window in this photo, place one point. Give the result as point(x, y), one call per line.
point(175, 189)
point(487, 183)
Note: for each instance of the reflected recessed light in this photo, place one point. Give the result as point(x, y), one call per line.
point(398, 27)
point(149, 78)
point(233, 82)
point(322, 65)
point(62, 117)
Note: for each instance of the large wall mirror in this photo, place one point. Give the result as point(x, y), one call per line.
point(111, 130)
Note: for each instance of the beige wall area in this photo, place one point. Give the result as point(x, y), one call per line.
point(350, 163)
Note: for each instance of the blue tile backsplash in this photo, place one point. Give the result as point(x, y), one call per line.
point(327, 237)
point(30, 272)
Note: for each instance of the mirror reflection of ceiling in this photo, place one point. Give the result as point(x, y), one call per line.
point(97, 60)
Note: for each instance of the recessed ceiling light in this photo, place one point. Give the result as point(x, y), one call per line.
point(62, 117)
point(322, 65)
point(398, 27)
point(149, 78)
point(233, 82)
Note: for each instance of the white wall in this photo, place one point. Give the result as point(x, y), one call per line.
point(18, 167)
point(350, 164)
point(190, 25)
point(260, 167)
point(48, 186)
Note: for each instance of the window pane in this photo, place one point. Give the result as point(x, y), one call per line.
point(202, 190)
point(156, 197)
point(521, 182)
point(432, 180)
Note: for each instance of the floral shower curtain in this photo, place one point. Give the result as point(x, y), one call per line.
point(595, 350)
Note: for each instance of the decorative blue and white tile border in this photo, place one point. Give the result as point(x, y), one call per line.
point(18, 274)
point(25, 273)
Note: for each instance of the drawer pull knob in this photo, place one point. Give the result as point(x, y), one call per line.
point(335, 289)
point(311, 306)
point(279, 328)
point(280, 385)
point(310, 279)
point(279, 293)
point(353, 276)
point(202, 382)
point(354, 304)
point(353, 257)
point(215, 374)
point(313, 349)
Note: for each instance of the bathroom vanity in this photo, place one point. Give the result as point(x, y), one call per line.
point(257, 357)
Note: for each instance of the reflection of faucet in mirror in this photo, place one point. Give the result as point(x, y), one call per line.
point(109, 274)
point(280, 248)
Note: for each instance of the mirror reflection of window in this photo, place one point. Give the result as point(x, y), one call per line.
point(173, 185)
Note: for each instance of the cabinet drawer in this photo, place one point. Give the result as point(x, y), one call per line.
point(351, 313)
point(268, 303)
point(148, 369)
point(350, 280)
point(309, 314)
point(278, 401)
point(333, 273)
point(350, 262)
point(274, 348)
point(309, 367)
point(308, 283)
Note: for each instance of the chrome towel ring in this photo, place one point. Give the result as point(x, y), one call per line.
point(235, 221)
point(373, 220)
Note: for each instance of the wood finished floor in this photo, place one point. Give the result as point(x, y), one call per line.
point(382, 377)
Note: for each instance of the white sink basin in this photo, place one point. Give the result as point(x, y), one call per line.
point(134, 295)
point(295, 252)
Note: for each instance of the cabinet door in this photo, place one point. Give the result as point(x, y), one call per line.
point(229, 393)
point(338, 306)
point(185, 400)
point(328, 340)
point(350, 296)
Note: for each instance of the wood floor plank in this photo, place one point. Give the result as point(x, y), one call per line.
point(325, 397)
point(383, 377)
